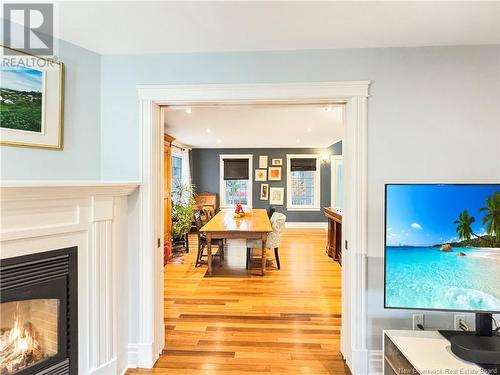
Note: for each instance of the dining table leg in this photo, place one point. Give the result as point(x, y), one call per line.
point(209, 253)
point(264, 239)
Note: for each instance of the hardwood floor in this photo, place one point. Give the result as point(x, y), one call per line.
point(238, 322)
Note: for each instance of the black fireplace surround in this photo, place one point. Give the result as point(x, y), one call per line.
point(50, 275)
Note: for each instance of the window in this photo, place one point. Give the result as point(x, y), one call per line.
point(176, 171)
point(181, 173)
point(303, 182)
point(337, 181)
point(235, 180)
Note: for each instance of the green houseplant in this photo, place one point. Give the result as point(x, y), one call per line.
point(182, 210)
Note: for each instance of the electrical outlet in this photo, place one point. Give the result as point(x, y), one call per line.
point(460, 320)
point(418, 319)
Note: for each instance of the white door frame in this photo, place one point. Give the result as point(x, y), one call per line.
point(333, 172)
point(354, 94)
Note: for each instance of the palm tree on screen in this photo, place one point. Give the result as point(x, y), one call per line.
point(492, 217)
point(464, 222)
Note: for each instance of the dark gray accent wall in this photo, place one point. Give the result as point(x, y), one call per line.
point(205, 175)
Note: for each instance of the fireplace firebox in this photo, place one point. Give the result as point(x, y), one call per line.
point(38, 314)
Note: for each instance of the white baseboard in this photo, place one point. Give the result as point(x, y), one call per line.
point(146, 355)
point(307, 225)
point(359, 362)
point(375, 362)
point(133, 355)
point(106, 369)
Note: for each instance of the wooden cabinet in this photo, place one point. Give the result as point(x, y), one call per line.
point(334, 245)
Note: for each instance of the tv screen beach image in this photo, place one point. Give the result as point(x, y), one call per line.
point(443, 247)
point(21, 99)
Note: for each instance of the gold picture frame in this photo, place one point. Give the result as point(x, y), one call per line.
point(51, 135)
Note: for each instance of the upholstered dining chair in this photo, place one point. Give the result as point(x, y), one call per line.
point(203, 243)
point(278, 221)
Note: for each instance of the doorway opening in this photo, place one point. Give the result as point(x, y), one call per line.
point(272, 157)
point(354, 96)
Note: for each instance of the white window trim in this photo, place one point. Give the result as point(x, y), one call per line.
point(222, 185)
point(333, 178)
point(184, 155)
point(183, 175)
point(317, 183)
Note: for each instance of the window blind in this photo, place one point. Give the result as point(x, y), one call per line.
point(235, 169)
point(306, 164)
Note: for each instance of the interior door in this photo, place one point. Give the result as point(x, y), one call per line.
point(167, 196)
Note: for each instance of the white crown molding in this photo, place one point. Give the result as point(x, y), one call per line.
point(29, 190)
point(316, 91)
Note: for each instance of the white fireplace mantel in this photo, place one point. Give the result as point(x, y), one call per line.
point(39, 216)
point(16, 190)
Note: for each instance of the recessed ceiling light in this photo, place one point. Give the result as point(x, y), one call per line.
point(298, 140)
point(308, 130)
point(189, 111)
point(208, 130)
point(328, 109)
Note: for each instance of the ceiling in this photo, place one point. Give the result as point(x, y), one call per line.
point(160, 27)
point(309, 126)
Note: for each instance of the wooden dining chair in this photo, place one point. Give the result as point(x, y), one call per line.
point(208, 212)
point(203, 243)
point(278, 222)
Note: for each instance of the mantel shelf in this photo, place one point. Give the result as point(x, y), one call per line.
point(23, 190)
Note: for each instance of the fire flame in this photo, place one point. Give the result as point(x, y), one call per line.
point(19, 347)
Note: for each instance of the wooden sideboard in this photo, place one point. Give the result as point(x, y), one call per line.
point(334, 245)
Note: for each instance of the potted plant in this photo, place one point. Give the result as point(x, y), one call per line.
point(183, 204)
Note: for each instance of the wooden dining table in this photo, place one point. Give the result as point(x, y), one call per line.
point(255, 225)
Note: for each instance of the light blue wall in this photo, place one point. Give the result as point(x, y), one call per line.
point(416, 83)
point(80, 159)
point(433, 117)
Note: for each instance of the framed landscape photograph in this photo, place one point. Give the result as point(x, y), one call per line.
point(31, 102)
point(264, 192)
point(277, 162)
point(261, 175)
point(263, 161)
point(276, 196)
point(274, 173)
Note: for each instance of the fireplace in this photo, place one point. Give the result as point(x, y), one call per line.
point(38, 313)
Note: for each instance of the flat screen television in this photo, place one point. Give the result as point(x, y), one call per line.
point(442, 249)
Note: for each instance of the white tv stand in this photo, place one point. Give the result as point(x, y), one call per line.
point(422, 352)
